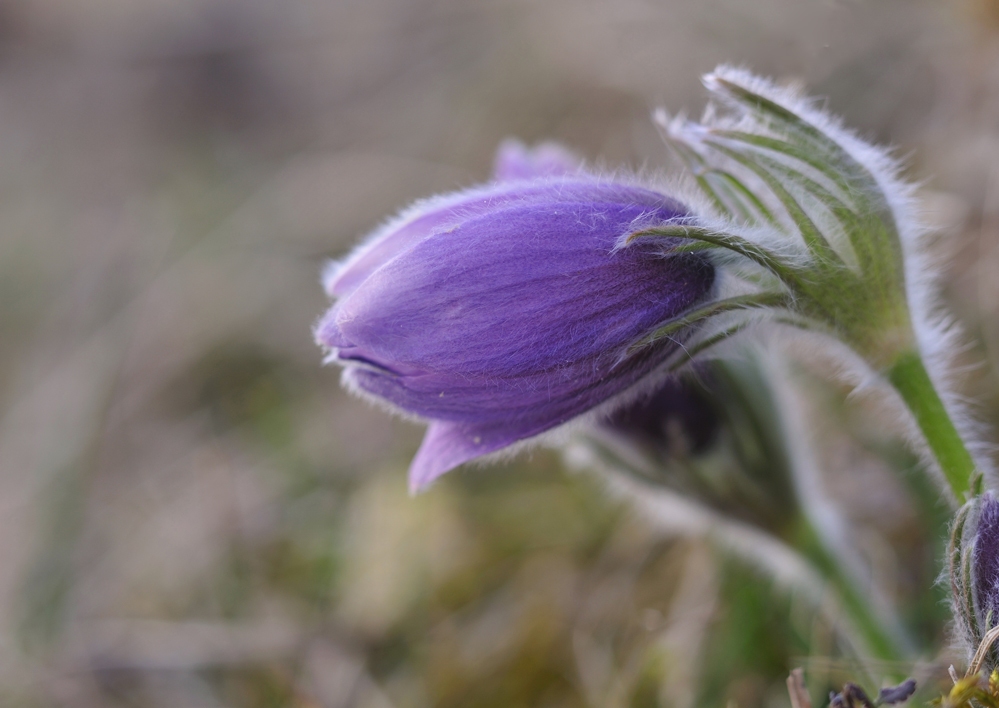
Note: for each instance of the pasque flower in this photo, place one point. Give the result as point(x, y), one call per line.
point(506, 310)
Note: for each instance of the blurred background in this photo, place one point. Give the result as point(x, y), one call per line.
point(193, 514)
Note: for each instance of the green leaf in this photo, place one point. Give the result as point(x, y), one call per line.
point(697, 167)
point(864, 216)
point(728, 194)
point(746, 196)
point(689, 351)
point(779, 118)
point(718, 307)
point(810, 232)
point(793, 151)
point(811, 142)
point(756, 253)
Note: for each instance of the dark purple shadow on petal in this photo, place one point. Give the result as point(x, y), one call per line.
point(679, 407)
point(450, 443)
point(540, 400)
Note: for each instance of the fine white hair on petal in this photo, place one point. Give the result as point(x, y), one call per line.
point(332, 269)
point(348, 382)
point(328, 275)
point(562, 435)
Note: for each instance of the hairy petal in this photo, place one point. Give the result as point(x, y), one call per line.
point(443, 213)
point(447, 445)
point(510, 310)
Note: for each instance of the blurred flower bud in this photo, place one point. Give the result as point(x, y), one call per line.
point(712, 436)
point(986, 562)
point(893, 695)
point(973, 566)
point(515, 161)
point(678, 420)
point(853, 696)
point(503, 311)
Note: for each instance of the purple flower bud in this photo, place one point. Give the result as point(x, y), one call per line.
point(516, 161)
point(893, 695)
point(680, 414)
point(986, 562)
point(973, 570)
point(503, 311)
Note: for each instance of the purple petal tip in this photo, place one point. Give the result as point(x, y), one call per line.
point(448, 445)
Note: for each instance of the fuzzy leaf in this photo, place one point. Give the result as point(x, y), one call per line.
point(754, 252)
point(740, 302)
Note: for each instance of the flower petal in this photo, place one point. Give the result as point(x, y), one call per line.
point(447, 445)
point(521, 290)
point(439, 214)
point(509, 311)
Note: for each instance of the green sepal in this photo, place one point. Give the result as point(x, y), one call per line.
point(816, 241)
point(718, 307)
point(689, 351)
point(959, 574)
point(861, 209)
point(780, 267)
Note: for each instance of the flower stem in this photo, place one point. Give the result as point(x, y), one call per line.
point(884, 637)
point(909, 377)
point(802, 558)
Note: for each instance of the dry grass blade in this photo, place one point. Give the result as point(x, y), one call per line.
point(797, 691)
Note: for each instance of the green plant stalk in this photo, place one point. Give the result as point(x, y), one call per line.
point(882, 641)
point(909, 377)
point(869, 634)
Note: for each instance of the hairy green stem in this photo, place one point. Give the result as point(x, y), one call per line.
point(909, 377)
point(884, 638)
point(869, 634)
